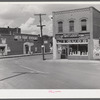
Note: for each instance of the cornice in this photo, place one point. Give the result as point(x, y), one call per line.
point(72, 11)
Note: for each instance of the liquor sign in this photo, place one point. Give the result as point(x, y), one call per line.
point(71, 35)
point(96, 53)
point(23, 37)
point(73, 41)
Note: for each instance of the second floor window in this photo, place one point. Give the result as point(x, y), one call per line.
point(60, 26)
point(71, 26)
point(83, 24)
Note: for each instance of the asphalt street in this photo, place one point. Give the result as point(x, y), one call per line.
point(32, 72)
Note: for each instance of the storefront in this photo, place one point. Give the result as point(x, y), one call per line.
point(76, 34)
point(72, 46)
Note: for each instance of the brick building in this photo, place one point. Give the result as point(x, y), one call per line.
point(76, 33)
point(11, 31)
point(12, 42)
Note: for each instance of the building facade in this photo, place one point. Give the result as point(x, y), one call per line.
point(10, 31)
point(76, 33)
point(12, 43)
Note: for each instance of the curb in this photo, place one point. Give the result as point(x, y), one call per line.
point(22, 55)
point(75, 61)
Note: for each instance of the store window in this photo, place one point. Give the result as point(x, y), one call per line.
point(78, 49)
point(71, 26)
point(60, 26)
point(83, 24)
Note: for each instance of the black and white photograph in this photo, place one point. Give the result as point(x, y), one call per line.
point(51, 46)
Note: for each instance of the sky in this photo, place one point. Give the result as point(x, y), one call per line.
point(22, 15)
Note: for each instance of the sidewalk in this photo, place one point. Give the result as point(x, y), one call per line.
point(74, 61)
point(21, 55)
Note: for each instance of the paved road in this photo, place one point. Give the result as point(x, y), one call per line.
point(33, 73)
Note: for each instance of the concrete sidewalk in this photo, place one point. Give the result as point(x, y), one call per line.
point(22, 55)
point(74, 61)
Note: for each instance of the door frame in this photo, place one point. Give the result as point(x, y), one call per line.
point(30, 45)
point(66, 51)
point(5, 51)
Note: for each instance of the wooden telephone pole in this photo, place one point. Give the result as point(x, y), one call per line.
point(41, 28)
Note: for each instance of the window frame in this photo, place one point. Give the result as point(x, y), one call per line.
point(71, 27)
point(60, 26)
point(84, 26)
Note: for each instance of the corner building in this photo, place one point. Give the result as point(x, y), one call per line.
point(76, 33)
point(13, 42)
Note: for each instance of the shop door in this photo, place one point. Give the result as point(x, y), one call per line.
point(64, 53)
point(27, 49)
point(2, 50)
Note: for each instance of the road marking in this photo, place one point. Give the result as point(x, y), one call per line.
point(11, 76)
point(31, 69)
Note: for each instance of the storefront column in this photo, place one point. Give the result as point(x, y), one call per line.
point(90, 46)
point(54, 48)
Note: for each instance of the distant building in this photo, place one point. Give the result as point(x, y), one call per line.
point(76, 33)
point(10, 31)
point(12, 42)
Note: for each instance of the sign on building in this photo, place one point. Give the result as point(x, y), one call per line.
point(96, 51)
point(25, 37)
point(3, 40)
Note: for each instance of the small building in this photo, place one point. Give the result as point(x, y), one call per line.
point(14, 43)
point(76, 33)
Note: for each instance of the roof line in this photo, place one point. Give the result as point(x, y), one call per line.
point(76, 9)
point(95, 9)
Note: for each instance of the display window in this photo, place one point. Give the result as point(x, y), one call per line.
point(79, 49)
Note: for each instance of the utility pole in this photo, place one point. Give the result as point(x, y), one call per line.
point(41, 27)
